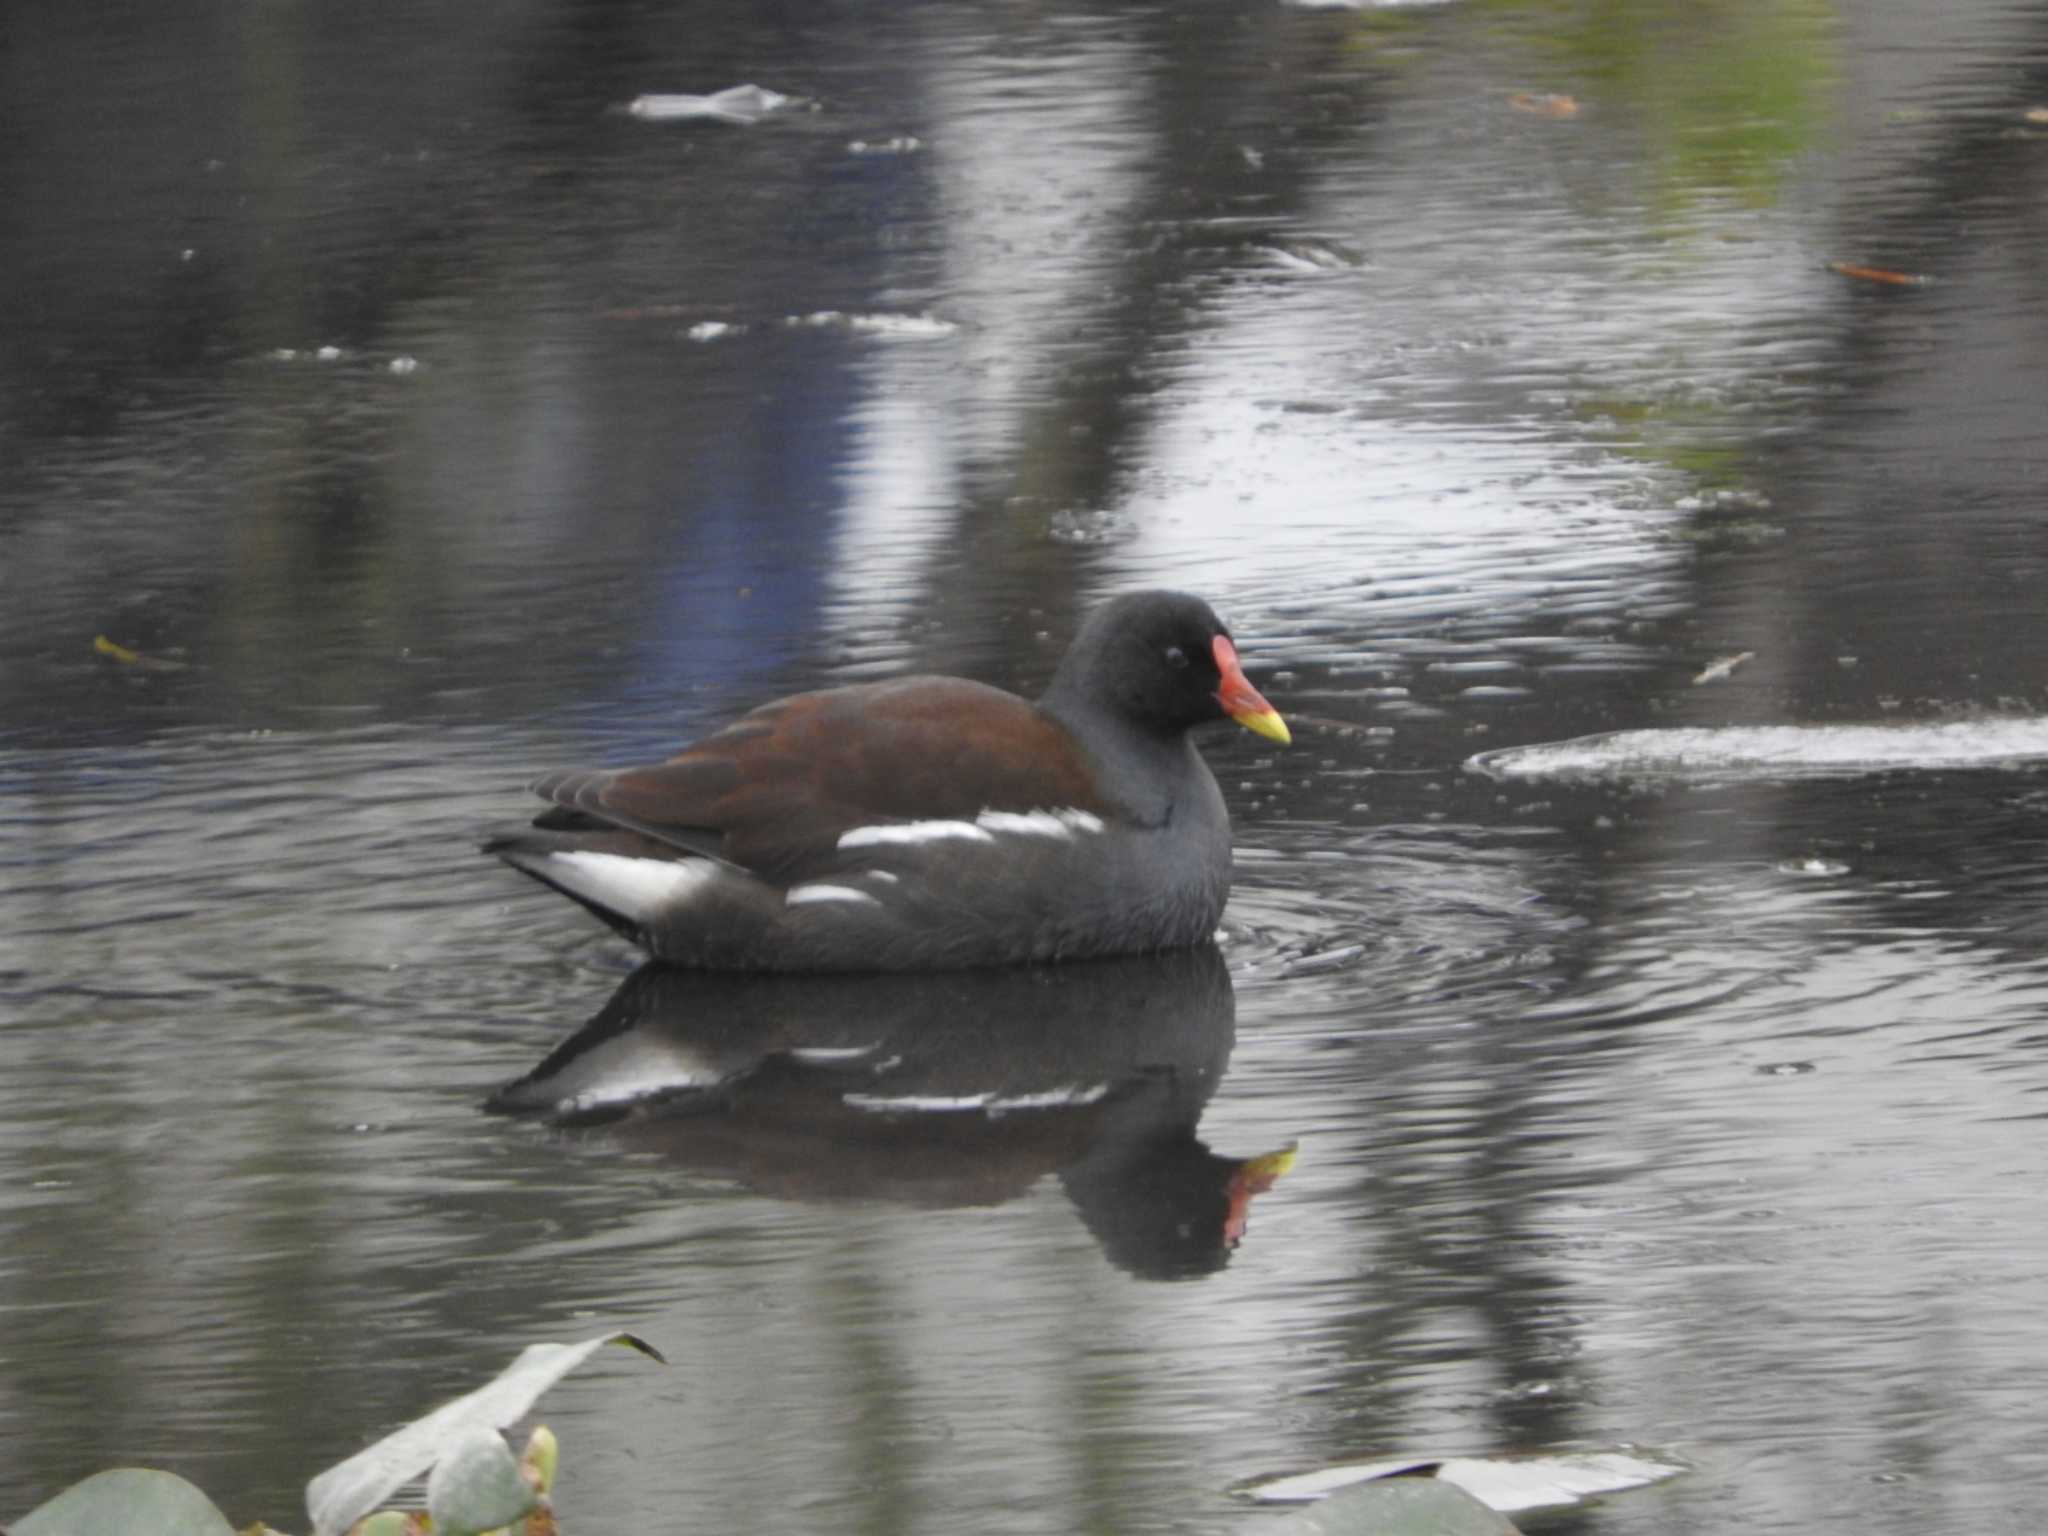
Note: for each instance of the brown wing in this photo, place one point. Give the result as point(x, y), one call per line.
point(773, 791)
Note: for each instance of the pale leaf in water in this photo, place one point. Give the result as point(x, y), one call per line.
point(1306, 1487)
point(343, 1494)
point(127, 1499)
point(1543, 1482)
point(1714, 671)
point(476, 1486)
point(392, 1522)
point(1503, 1483)
point(1399, 1506)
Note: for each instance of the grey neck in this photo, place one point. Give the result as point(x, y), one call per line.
point(1163, 766)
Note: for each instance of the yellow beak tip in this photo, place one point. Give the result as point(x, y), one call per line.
point(1273, 1164)
point(1269, 725)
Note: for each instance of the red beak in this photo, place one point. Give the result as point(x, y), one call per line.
point(1241, 701)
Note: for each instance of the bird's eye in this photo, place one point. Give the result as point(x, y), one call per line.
point(1176, 657)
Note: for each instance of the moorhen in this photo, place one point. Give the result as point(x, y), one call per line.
point(926, 823)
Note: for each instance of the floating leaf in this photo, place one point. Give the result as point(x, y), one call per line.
point(125, 1499)
point(1306, 1487)
point(1541, 1482)
point(476, 1486)
point(343, 1494)
point(136, 659)
point(1400, 1506)
point(1877, 275)
point(1503, 1483)
point(1714, 671)
point(1544, 105)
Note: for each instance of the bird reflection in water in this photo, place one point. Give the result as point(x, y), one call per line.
point(951, 1088)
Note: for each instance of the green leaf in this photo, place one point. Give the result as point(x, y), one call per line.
point(125, 1500)
point(476, 1486)
point(343, 1494)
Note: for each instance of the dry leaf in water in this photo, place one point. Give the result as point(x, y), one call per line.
point(1539, 104)
point(1716, 670)
point(1877, 275)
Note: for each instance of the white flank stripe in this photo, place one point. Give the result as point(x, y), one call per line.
point(1060, 823)
point(885, 876)
point(803, 895)
point(635, 888)
point(912, 832)
point(828, 1055)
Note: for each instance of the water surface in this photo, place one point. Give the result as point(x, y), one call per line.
point(422, 421)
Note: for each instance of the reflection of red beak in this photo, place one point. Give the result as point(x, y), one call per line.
point(1241, 701)
point(1253, 1177)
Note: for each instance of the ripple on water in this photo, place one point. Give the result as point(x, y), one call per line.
point(1340, 930)
point(342, 863)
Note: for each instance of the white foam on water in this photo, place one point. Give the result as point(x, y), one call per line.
point(1773, 751)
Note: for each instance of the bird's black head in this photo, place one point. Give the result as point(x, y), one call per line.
point(1165, 661)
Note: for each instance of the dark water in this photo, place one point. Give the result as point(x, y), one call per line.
point(1701, 1110)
